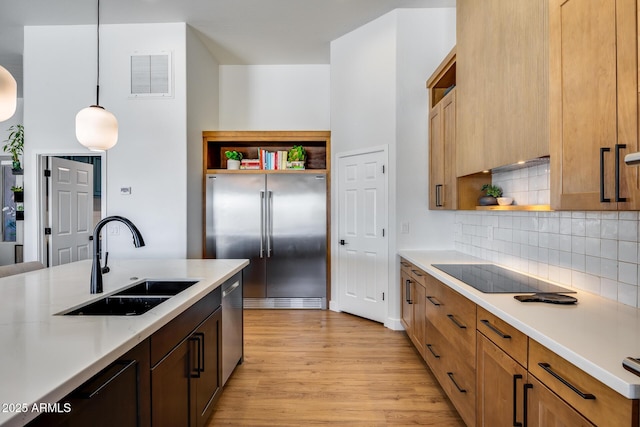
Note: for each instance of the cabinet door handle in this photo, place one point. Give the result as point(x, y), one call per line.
point(434, 301)
point(430, 347)
point(407, 291)
point(494, 329)
point(458, 324)
point(461, 390)
point(516, 377)
point(602, 198)
point(547, 367)
point(201, 358)
point(439, 195)
point(524, 408)
point(194, 372)
point(618, 148)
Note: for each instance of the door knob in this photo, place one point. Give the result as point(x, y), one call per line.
point(342, 242)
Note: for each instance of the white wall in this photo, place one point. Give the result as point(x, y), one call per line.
point(425, 37)
point(151, 154)
point(274, 97)
point(202, 114)
point(378, 97)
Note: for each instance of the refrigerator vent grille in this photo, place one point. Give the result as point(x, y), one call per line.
point(285, 303)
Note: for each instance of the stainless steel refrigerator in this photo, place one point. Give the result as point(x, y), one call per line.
point(278, 222)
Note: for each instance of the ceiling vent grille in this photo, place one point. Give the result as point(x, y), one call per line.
point(151, 75)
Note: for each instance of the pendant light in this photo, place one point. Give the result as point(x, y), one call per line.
point(97, 128)
point(8, 94)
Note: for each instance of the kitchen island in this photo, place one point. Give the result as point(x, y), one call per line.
point(44, 356)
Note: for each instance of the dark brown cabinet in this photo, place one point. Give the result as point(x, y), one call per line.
point(186, 373)
point(122, 385)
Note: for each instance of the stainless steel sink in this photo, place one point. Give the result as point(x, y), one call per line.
point(134, 300)
point(118, 306)
point(157, 288)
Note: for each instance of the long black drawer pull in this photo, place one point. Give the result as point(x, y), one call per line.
point(602, 198)
point(524, 410)
point(405, 264)
point(494, 329)
point(416, 272)
point(516, 377)
point(547, 367)
point(461, 390)
point(195, 371)
point(201, 357)
point(434, 301)
point(112, 372)
point(430, 347)
point(458, 324)
point(618, 148)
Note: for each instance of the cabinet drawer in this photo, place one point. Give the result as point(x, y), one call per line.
point(419, 276)
point(505, 336)
point(453, 315)
point(455, 372)
point(406, 266)
point(599, 403)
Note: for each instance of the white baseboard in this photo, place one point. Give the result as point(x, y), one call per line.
point(333, 306)
point(394, 324)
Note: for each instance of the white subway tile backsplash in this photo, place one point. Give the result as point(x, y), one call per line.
point(595, 251)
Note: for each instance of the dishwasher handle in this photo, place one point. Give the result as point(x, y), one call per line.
point(230, 289)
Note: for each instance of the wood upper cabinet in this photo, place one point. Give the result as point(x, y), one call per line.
point(442, 154)
point(502, 83)
point(593, 104)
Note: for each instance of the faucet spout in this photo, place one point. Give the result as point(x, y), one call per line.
point(96, 268)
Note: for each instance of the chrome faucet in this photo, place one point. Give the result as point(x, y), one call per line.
point(96, 268)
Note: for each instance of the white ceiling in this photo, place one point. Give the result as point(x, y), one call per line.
point(236, 31)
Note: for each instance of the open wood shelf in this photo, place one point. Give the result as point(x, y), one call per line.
point(514, 208)
point(315, 143)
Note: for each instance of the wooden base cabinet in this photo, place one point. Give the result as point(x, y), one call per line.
point(545, 409)
point(500, 382)
point(413, 304)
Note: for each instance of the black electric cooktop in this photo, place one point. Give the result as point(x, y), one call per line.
point(491, 279)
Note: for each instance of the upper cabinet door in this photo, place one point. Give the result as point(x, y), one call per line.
point(502, 83)
point(593, 104)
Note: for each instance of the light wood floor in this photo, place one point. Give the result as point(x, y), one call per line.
point(308, 367)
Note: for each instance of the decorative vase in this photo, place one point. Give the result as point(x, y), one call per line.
point(487, 201)
point(233, 164)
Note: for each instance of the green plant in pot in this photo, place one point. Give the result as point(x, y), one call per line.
point(296, 157)
point(233, 159)
point(15, 146)
point(18, 194)
point(492, 192)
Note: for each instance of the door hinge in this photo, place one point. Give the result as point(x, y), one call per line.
point(383, 169)
point(383, 296)
point(47, 231)
point(383, 232)
point(47, 173)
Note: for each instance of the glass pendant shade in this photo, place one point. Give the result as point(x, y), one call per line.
point(8, 94)
point(96, 128)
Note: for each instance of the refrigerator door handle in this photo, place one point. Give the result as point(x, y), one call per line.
point(262, 219)
point(269, 222)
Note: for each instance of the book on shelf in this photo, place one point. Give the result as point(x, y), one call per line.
point(273, 160)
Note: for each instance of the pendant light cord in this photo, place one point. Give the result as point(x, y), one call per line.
point(98, 59)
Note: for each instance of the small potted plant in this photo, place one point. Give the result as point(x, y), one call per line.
point(15, 146)
point(18, 194)
point(296, 157)
point(492, 192)
point(233, 159)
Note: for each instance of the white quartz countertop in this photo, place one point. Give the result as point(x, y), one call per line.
point(44, 356)
point(596, 334)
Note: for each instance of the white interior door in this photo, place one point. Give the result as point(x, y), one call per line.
point(362, 244)
point(71, 197)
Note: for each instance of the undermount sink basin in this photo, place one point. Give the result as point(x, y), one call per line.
point(118, 306)
point(134, 300)
point(158, 288)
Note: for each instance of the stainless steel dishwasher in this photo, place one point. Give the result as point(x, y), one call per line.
point(232, 333)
